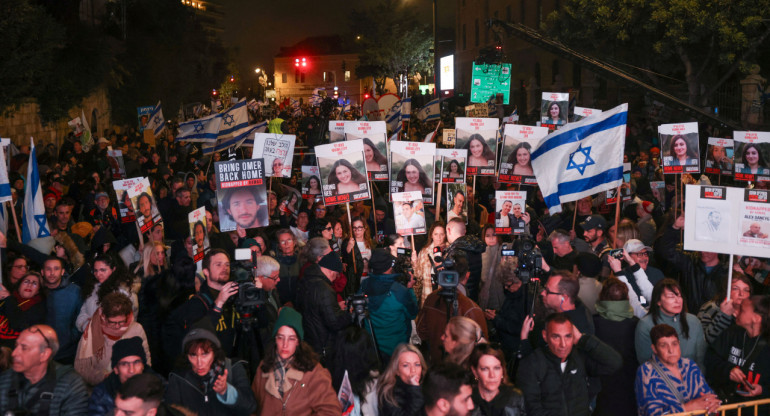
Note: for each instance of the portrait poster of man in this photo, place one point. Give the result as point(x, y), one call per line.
point(411, 168)
point(143, 116)
point(719, 156)
point(311, 182)
point(456, 202)
point(579, 113)
point(117, 167)
point(145, 208)
point(374, 136)
point(511, 212)
point(712, 215)
point(199, 233)
point(336, 130)
point(518, 143)
point(554, 109)
point(451, 164)
point(125, 208)
point(277, 150)
point(343, 172)
point(679, 147)
point(410, 213)
point(479, 137)
point(755, 219)
point(241, 194)
point(752, 154)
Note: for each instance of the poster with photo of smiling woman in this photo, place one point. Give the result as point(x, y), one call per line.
point(554, 109)
point(752, 153)
point(479, 137)
point(518, 143)
point(680, 147)
point(374, 136)
point(343, 172)
point(411, 168)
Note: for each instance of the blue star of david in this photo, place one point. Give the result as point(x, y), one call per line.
point(587, 161)
point(157, 119)
point(42, 230)
point(198, 127)
point(228, 119)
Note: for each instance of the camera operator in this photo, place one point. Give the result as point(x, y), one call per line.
point(470, 247)
point(267, 277)
point(392, 305)
point(436, 310)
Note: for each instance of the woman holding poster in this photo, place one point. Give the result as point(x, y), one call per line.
point(480, 153)
point(374, 159)
point(752, 159)
point(520, 159)
point(413, 178)
point(345, 177)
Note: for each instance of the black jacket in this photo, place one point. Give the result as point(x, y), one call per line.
point(549, 391)
point(617, 395)
point(471, 248)
point(509, 320)
point(189, 390)
point(508, 402)
point(322, 317)
point(408, 397)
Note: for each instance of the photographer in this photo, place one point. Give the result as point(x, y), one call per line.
point(392, 304)
point(470, 247)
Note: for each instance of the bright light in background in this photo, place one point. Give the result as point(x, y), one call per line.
point(447, 65)
point(258, 70)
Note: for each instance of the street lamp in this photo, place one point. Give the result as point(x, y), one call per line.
point(258, 70)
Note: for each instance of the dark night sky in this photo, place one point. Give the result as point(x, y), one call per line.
point(258, 28)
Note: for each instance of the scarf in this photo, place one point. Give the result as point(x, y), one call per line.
point(25, 304)
point(279, 372)
point(96, 332)
point(614, 310)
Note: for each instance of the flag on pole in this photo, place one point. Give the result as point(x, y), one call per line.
point(582, 158)
point(235, 118)
point(156, 121)
point(203, 129)
point(393, 118)
point(242, 137)
point(431, 137)
point(431, 111)
point(494, 110)
point(5, 184)
point(315, 98)
point(406, 108)
point(85, 139)
point(34, 223)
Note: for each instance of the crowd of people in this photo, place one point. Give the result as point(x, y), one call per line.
point(350, 317)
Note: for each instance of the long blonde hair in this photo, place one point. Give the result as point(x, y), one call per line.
point(467, 333)
point(147, 267)
point(388, 378)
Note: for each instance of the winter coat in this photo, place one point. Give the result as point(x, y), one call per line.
point(617, 395)
point(18, 314)
point(304, 393)
point(726, 352)
point(63, 305)
point(508, 402)
point(391, 310)
point(70, 397)
point(409, 399)
point(693, 346)
point(471, 248)
point(187, 389)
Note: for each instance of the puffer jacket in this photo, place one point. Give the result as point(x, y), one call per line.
point(186, 389)
point(322, 317)
point(409, 399)
point(70, 396)
point(392, 307)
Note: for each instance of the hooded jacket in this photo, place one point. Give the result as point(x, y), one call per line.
point(391, 309)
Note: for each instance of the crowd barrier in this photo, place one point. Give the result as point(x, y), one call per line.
point(739, 407)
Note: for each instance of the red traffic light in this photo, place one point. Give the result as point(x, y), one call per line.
point(214, 92)
point(300, 62)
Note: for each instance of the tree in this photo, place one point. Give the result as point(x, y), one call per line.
point(701, 42)
point(390, 41)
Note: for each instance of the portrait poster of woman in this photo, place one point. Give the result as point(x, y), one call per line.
point(374, 136)
point(199, 233)
point(451, 165)
point(411, 168)
point(719, 156)
point(518, 143)
point(311, 182)
point(343, 172)
point(479, 137)
point(145, 208)
point(554, 109)
point(680, 147)
point(278, 152)
point(752, 154)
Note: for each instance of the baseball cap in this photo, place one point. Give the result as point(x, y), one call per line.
point(594, 222)
point(634, 246)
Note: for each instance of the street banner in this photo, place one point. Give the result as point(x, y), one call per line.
point(479, 137)
point(554, 109)
point(510, 211)
point(457, 205)
point(452, 163)
point(145, 208)
point(719, 156)
point(199, 233)
point(241, 194)
point(311, 182)
point(343, 172)
point(411, 168)
point(752, 153)
point(410, 213)
point(374, 136)
point(277, 150)
point(680, 148)
point(515, 162)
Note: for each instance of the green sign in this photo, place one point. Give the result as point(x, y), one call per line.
point(490, 80)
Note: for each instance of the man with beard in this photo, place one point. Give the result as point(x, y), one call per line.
point(244, 207)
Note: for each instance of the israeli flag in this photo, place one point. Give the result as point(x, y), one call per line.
point(235, 118)
point(201, 130)
point(582, 158)
point(34, 223)
point(406, 109)
point(5, 184)
point(394, 116)
point(242, 137)
point(494, 110)
point(157, 123)
point(431, 111)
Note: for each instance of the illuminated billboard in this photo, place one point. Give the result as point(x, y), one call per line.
point(447, 65)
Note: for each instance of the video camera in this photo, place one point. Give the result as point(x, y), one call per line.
point(250, 297)
point(529, 256)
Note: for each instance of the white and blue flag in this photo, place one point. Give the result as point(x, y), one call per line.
point(156, 122)
point(431, 111)
point(5, 184)
point(406, 108)
point(394, 117)
point(203, 129)
point(34, 223)
point(234, 119)
point(242, 137)
point(582, 158)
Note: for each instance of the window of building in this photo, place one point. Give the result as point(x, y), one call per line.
point(347, 76)
point(296, 76)
point(284, 77)
point(302, 77)
point(476, 34)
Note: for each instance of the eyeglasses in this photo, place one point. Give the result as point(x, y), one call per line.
point(548, 291)
point(285, 242)
point(358, 228)
point(35, 329)
point(30, 282)
point(641, 254)
point(329, 228)
point(113, 324)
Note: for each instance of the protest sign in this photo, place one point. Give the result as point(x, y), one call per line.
point(374, 136)
point(199, 233)
point(336, 130)
point(311, 182)
point(456, 202)
point(477, 110)
point(755, 219)
point(411, 168)
point(277, 150)
point(452, 163)
point(343, 172)
point(143, 116)
point(479, 137)
point(611, 195)
point(117, 167)
point(510, 210)
point(518, 142)
point(580, 113)
point(241, 194)
point(680, 147)
point(448, 137)
point(554, 109)
point(752, 153)
point(719, 156)
point(145, 208)
point(125, 208)
point(410, 213)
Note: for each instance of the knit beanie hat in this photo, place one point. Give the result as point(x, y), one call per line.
point(289, 317)
point(126, 348)
point(331, 261)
